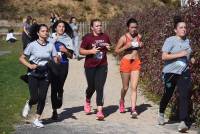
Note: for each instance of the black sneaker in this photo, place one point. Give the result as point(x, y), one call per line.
point(54, 115)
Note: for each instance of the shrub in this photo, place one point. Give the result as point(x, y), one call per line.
point(156, 24)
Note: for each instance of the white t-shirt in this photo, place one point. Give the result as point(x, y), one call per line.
point(10, 36)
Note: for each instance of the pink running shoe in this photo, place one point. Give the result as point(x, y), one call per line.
point(121, 106)
point(100, 115)
point(87, 107)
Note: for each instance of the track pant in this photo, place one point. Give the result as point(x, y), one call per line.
point(96, 78)
point(183, 82)
point(57, 83)
point(38, 91)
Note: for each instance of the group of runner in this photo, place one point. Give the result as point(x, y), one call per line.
point(48, 61)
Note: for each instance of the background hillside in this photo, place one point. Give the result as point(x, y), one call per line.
point(82, 9)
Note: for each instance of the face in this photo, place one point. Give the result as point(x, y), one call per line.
point(97, 27)
point(181, 29)
point(133, 28)
point(60, 29)
point(43, 32)
point(74, 20)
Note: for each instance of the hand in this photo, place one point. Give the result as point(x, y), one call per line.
point(63, 49)
point(94, 50)
point(141, 44)
point(32, 66)
point(128, 45)
point(107, 46)
point(183, 53)
point(192, 60)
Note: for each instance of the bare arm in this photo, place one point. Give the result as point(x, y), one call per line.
point(169, 56)
point(83, 51)
point(23, 60)
point(120, 47)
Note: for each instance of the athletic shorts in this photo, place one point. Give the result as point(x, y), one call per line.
point(128, 65)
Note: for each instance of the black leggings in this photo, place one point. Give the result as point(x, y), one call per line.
point(38, 91)
point(183, 82)
point(57, 83)
point(96, 78)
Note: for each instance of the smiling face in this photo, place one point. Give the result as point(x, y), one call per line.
point(60, 29)
point(133, 28)
point(97, 27)
point(181, 30)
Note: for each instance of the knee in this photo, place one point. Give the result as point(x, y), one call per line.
point(125, 89)
point(133, 88)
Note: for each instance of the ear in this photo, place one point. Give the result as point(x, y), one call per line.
point(175, 30)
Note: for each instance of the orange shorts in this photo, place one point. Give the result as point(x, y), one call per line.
point(128, 65)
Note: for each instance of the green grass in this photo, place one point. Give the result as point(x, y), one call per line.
point(13, 91)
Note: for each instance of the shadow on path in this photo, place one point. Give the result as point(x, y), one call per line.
point(66, 114)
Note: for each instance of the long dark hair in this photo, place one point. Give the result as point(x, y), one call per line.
point(35, 29)
point(68, 29)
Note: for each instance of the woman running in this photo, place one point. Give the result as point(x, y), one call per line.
point(75, 28)
point(95, 46)
point(176, 55)
point(64, 46)
point(38, 52)
point(26, 39)
point(130, 64)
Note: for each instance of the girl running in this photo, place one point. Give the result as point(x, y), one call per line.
point(176, 55)
point(64, 47)
point(38, 52)
point(130, 64)
point(95, 46)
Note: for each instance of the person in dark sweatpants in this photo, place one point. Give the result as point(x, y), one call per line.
point(64, 46)
point(176, 53)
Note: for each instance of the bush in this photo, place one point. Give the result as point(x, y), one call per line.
point(156, 24)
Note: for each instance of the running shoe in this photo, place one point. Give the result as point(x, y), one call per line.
point(26, 109)
point(161, 119)
point(134, 114)
point(182, 127)
point(87, 107)
point(100, 115)
point(54, 115)
point(121, 106)
point(37, 123)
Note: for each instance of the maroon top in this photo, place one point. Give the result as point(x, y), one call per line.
point(88, 42)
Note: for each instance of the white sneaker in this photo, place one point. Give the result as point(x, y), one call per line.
point(182, 127)
point(37, 123)
point(161, 119)
point(26, 109)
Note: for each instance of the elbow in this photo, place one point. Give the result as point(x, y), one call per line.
point(81, 51)
point(116, 51)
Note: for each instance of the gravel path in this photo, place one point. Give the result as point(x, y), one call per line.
point(74, 121)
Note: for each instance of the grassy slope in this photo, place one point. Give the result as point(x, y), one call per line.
point(13, 92)
point(83, 9)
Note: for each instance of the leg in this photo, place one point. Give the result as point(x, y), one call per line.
point(184, 87)
point(33, 89)
point(90, 76)
point(42, 93)
point(170, 83)
point(100, 79)
point(134, 83)
point(125, 83)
